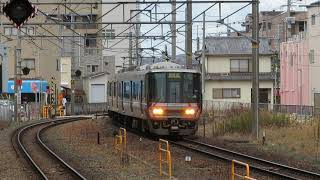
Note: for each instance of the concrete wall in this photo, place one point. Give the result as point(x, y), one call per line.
point(314, 39)
point(65, 66)
point(119, 46)
point(294, 70)
point(101, 79)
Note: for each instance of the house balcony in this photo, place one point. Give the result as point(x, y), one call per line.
point(264, 76)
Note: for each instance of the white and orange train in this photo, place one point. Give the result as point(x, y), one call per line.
point(163, 99)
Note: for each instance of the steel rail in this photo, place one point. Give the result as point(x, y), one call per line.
point(40, 141)
point(27, 154)
point(260, 164)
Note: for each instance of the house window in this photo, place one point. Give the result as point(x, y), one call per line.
point(94, 68)
point(109, 33)
point(11, 31)
point(301, 26)
point(225, 93)
point(91, 40)
point(269, 25)
point(313, 19)
point(7, 31)
point(87, 21)
point(29, 62)
point(264, 26)
point(239, 65)
point(311, 56)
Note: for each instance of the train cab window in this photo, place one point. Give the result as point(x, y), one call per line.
point(191, 87)
point(157, 87)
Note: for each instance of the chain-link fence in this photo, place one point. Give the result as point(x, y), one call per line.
point(28, 111)
point(89, 108)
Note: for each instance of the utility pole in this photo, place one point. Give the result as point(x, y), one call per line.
point(203, 66)
point(17, 76)
point(130, 49)
point(255, 68)
point(173, 31)
point(288, 27)
point(189, 35)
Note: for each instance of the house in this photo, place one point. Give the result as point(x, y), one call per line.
point(229, 70)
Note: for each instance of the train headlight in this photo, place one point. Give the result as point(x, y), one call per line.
point(190, 111)
point(157, 111)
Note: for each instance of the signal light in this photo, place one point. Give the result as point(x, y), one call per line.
point(19, 11)
point(25, 71)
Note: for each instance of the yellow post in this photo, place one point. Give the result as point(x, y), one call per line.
point(232, 170)
point(160, 159)
point(168, 157)
point(123, 134)
point(233, 174)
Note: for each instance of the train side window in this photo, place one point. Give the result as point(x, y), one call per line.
point(114, 89)
point(119, 89)
point(127, 90)
point(133, 92)
point(137, 89)
point(111, 86)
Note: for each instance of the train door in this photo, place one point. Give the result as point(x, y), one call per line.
point(117, 94)
point(122, 92)
point(141, 96)
point(131, 89)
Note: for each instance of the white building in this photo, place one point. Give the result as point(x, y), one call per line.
point(116, 42)
point(229, 70)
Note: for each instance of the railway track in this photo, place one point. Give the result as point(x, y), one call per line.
point(46, 163)
point(275, 169)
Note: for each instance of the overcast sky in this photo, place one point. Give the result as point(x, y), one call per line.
point(235, 20)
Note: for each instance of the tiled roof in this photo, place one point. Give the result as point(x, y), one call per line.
point(234, 45)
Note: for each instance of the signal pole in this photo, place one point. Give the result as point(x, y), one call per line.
point(255, 68)
point(17, 76)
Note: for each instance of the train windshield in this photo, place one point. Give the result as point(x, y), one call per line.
point(173, 87)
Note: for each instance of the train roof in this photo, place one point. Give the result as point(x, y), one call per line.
point(156, 67)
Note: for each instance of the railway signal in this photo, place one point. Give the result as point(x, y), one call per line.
point(19, 11)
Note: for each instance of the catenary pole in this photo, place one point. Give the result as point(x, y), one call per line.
point(255, 67)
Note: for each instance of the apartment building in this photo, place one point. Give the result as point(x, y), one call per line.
point(229, 70)
point(300, 64)
point(52, 47)
point(117, 36)
point(273, 26)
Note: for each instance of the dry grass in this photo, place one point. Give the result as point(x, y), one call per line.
point(301, 141)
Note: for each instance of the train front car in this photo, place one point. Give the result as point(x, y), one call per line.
point(173, 101)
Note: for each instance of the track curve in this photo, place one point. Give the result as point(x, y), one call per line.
point(46, 163)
